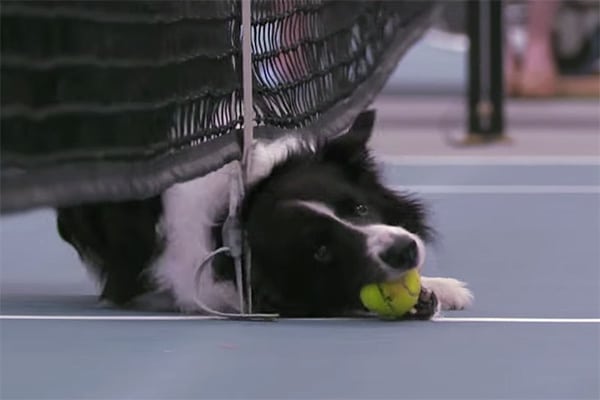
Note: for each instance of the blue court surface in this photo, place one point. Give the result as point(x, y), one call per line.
point(525, 236)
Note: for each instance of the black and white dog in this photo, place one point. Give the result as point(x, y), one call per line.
point(320, 225)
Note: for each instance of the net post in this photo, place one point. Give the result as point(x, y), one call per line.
point(248, 135)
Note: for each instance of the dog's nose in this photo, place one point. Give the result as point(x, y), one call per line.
point(401, 254)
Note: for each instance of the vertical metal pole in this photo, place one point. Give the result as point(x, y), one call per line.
point(497, 67)
point(485, 80)
point(248, 111)
point(248, 108)
point(474, 72)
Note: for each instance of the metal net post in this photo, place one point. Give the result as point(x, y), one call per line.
point(248, 112)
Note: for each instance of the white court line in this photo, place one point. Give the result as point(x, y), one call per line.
point(491, 160)
point(109, 317)
point(520, 320)
point(205, 317)
point(503, 189)
point(125, 318)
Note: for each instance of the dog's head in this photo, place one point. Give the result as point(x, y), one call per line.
point(322, 225)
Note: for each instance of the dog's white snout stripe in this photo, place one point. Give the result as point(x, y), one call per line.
point(379, 237)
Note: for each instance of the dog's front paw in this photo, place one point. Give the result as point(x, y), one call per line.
point(426, 307)
point(452, 294)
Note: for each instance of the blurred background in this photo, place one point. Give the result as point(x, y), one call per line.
point(551, 72)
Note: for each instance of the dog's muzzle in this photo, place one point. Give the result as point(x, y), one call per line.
point(402, 254)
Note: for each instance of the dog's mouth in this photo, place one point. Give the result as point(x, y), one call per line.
point(391, 274)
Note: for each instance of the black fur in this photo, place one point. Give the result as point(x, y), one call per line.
point(286, 275)
point(121, 240)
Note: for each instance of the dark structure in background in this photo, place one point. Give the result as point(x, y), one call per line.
point(118, 100)
point(482, 22)
point(485, 77)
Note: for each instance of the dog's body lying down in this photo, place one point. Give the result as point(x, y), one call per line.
point(319, 222)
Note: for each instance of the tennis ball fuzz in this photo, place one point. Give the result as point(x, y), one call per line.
point(395, 298)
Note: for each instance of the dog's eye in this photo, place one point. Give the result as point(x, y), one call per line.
point(322, 254)
point(361, 210)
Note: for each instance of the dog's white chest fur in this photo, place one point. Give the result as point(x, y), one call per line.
point(191, 210)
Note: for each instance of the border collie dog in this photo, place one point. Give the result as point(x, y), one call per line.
point(320, 225)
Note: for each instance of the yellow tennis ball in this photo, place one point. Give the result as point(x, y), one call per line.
point(395, 298)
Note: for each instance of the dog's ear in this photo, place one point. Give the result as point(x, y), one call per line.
point(350, 149)
point(356, 138)
point(360, 132)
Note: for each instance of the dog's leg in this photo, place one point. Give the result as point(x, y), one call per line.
point(191, 213)
point(451, 294)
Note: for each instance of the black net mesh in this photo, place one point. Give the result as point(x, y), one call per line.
point(311, 55)
point(117, 100)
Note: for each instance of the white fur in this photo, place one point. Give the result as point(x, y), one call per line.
point(380, 237)
point(264, 156)
point(190, 209)
point(451, 293)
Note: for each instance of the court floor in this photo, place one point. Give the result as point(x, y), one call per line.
point(525, 235)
